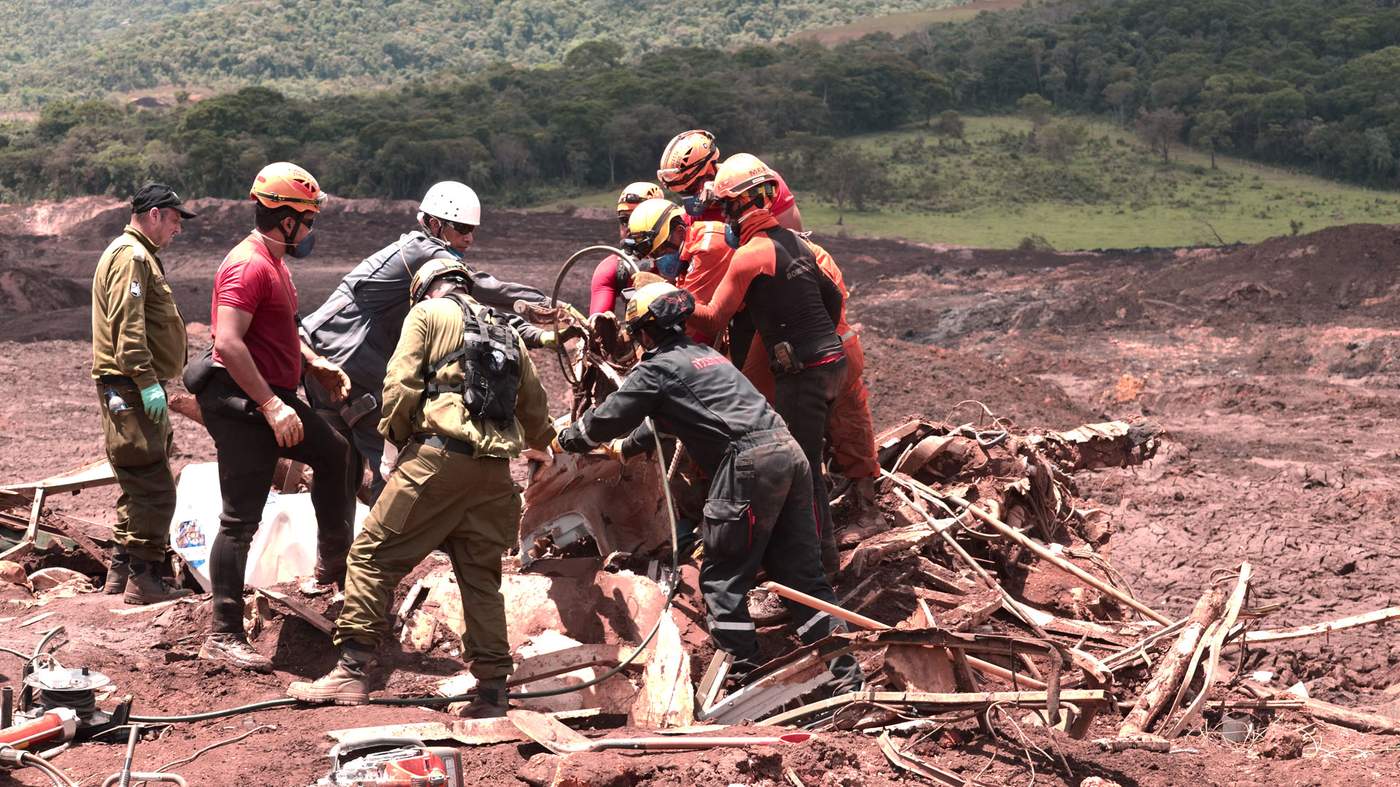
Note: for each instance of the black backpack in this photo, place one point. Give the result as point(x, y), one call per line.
point(490, 356)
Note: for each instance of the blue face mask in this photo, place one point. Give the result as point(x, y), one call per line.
point(731, 236)
point(694, 206)
point(669, 265)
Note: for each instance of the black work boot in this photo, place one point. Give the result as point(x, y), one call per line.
point(117, 572)
point(490, 702)
point(347, 684)
point(145, 586)
point(236, 650)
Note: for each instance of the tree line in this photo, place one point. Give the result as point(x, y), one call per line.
point(1304, 83)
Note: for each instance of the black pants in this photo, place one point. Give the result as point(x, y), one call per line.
point(759, 514)
point(803, 400)
point(366, 443)
point(248, 452)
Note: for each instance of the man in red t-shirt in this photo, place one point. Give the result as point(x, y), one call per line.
point(605, 290)
point(251, 409)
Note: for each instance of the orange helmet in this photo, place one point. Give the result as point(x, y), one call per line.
point(739, 173)
point(635, 194)
point(285, 184)
point(689, 158)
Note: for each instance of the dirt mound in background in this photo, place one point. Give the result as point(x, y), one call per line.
point(54, 218)
point(26, 290)
point(1292, 280)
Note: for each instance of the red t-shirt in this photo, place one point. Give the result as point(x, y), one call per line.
point(782, 203)
point(603, 293)
point(251, 281)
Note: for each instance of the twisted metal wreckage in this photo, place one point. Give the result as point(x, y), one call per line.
point(988, 594)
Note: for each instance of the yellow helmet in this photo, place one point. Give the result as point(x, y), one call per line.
point(431, 271)
point(741, 172)
point(635, 194)
point(285, 184)
point(688, 159)
point(649, 226)
point(659, 305)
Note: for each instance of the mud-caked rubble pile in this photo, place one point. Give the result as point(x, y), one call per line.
point(989, 601)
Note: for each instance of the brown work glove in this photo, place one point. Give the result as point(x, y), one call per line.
point(330, 377)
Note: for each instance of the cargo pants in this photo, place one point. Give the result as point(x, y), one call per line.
point(760, 515)
point(437, 498)
point(139, 451)
point(804, 400)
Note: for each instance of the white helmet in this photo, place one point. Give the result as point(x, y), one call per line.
point(451, 201)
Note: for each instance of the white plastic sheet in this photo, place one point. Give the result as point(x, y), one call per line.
point(284, 548)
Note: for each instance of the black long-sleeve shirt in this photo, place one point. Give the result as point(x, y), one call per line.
point(691, 392)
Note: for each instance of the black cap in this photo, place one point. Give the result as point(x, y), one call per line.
point(158, 195)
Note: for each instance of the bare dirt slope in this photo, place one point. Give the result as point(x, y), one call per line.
point(1273, 367)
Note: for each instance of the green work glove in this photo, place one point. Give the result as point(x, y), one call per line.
point(548, 339)
point(153, 399)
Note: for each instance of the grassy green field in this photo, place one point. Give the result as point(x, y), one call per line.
point(991, 192)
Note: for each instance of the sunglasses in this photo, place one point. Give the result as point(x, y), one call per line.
point(460, 228)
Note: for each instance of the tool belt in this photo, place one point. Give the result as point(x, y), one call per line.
point(445, 443)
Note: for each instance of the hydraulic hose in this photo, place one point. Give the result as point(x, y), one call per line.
point(559, 350)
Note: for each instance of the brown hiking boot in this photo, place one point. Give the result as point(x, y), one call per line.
point(236, 650)
point(145, 586)
point(117, 572)
point(490, 702)
point(343, 685)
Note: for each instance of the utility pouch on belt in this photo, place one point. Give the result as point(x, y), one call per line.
point(199, 371)
point(783, 359)
point(358, 408)
point(490, 358)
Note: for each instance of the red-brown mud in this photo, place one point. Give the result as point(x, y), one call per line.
point(1273, 368)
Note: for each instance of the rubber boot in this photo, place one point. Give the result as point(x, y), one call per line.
point(117, 572)
point(145, 586)
point(347, 684)
point(490, 702)
point(234, 649)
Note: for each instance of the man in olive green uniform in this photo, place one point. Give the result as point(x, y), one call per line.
point(461, 398)
point(138, 343)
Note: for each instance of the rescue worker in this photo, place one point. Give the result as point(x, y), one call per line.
point(850, 431)
point(358, 326)
point(697, 251)
point(461, 399)
point(250, 406)
point(138, 343)
point(608, 282)
point(774, 285)
point(758, 511)
point(687, 168)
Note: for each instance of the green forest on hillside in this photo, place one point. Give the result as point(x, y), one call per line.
point(89, 48)
point(1309, 84)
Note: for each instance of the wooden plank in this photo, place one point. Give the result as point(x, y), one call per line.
point(156, 606)
point(316, 619)
point(1378, 616)
point(1170, 671)
point(971, 700)
point(1216, 643)
point(666, 698)
point(35, 619)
